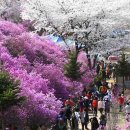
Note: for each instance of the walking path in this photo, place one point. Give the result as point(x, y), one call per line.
point(118, 117)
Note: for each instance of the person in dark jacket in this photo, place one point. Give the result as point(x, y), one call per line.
point(86, 119)
point(86, 103)
point(61, 121)
point(98, 68)
point(68, 114)
point(74, 121)
point(103, 120)
point(94, 123)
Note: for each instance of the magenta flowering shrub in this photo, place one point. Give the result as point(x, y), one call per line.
point(19, 116)
point(18, 46)
point(34, 87)
point(89, 75)
point(127, 117)
point(38, 65)
point(11, 29)
point(127, 125)
point(56, 77)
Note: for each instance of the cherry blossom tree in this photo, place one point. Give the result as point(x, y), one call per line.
point(11, 10)
point(67, 19)
point(108, 13)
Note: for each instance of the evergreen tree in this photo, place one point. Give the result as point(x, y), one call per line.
point(72, 69)
point(9, 94)
point(122, 68)
point(99, 77)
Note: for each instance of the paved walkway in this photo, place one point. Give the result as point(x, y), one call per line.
point(118, 117)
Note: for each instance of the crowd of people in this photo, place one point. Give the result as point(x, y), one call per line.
point(77, 110)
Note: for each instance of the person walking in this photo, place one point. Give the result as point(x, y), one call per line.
point(101, 104)
point(94, 106)
point(127, 108)
point(98, 68)
point(103, 90)
point(120, 102)
point(103, 121)
point(94, 123)
point(86, 119)
point(74, 121)
point(61, 121)
point(82, 117)
point(68, 114)
point(69, 102)
point(115, 90)
point(107, 107)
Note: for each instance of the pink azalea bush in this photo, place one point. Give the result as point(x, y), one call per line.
point(10, 29)
point(88, 76)
point(33, 87)
point(39, 66)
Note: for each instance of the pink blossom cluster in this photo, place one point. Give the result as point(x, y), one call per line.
point(39, 66)
point(127, 126)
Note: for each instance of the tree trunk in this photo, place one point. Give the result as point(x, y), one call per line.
point(123, 84)
point(3, 120)
point(76, 47)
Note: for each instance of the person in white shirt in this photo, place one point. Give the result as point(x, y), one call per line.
point(108, 96)
point(127, 108)
point(101, 105)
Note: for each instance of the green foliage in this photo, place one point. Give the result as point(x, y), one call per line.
point(72, 69)
point(98, 77)
point(123, 67)
point(9, 91)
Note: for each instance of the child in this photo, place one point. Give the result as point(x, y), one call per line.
point(94, 123)
point(103, 121)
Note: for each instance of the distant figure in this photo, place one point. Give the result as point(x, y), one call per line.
point(107, 107)
point(94, 106)
point(120, 102)
point(94, 61)
point(127, 108)
point(98, 68)
point(115, 90)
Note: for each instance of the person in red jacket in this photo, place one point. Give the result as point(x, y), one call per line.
point(120, 102)
point(95, 105)
point(89, 94)
point(69, 102)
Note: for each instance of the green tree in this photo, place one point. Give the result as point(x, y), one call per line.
point(9, 94)
point(72, 68)
point(98, 77)
point(122, 68)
